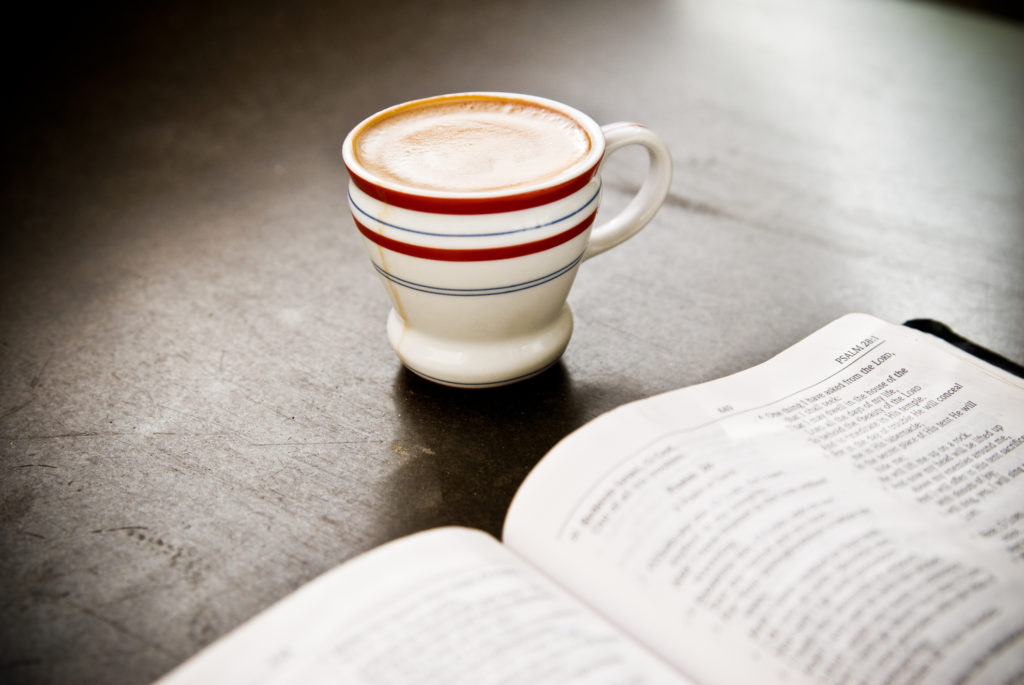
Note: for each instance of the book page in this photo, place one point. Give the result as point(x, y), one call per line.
point(850, 511)
point(446, 606)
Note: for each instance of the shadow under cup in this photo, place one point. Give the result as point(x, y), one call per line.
point(478, 280)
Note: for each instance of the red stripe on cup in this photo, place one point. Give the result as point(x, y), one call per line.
point(473, 205)
point(484, 254)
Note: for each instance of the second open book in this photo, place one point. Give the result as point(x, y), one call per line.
point(850, 511)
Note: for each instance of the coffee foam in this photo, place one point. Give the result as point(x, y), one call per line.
point(471, 144)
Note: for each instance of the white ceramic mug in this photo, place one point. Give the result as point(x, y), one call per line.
point(478, 280)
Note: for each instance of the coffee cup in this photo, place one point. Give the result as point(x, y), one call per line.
point(476, 210)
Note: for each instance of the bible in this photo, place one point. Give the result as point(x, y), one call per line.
point(849, 511)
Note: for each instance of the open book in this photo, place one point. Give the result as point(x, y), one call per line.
point(850, 511)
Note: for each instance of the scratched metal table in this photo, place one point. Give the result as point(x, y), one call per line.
point(199, 409)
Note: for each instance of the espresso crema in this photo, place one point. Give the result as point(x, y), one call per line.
point(468, 144)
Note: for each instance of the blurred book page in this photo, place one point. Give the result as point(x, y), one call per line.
point(449, 606)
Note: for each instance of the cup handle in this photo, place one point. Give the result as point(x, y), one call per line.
point(642, 208)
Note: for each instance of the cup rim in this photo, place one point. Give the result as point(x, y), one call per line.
point(548, 190)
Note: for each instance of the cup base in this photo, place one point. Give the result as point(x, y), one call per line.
point(480, 363)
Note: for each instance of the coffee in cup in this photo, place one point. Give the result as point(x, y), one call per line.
point(476, 210)
point(479, 144)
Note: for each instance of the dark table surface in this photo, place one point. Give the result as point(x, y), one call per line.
point(199, 408)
